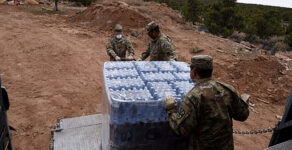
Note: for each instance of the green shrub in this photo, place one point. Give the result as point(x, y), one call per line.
point(238, 37)
point(288, 38)
point(191, 10)
point(222, 18)
point(279, 46)
point(252, 38)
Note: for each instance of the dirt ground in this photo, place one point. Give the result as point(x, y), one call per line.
point(51, 65)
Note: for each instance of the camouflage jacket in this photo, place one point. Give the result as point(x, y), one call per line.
point(160, 49)
point(205, 115)
point(118, 47)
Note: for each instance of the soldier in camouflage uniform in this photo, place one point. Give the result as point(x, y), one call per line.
point(160, 47)
point(205, 115)
point(118, 45)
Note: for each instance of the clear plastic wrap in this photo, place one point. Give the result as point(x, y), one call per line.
point(134, 114)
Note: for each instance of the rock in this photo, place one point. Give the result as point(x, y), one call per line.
point(263, 101)
point(251, 104)
point(10, 3)
point(220, 51)
point(31, 2)
point(135, 33)
point(196, 50)
point(245, 97)
point(202, 32)
point(254, 110)
point(123, 4)
point(279, 117)
point(246, 45)
point(2, 1)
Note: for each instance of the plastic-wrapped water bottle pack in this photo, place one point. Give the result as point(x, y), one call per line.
point(165, 66)
point(115, 65)
point(133, 104)
point(125, 83)
point(122, 72)
point(182, 76)
point(157, 76)
point(161, 90)
point(181, 66)
point(143, 66)
point(183, 87)
point(134, 94)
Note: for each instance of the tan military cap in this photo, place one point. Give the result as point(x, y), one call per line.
point(118, 28)
point(202, 62)
point(152, 25)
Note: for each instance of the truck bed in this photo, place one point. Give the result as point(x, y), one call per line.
point(77, 133)
point(85, 133)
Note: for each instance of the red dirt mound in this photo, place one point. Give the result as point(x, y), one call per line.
point(106, 15)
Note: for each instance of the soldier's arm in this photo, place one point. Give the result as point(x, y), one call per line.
point(110, 50)
point(146, 53)
point(167, 47)
point(239, 108)
point(184, 121)
point(130, 48)
point(240, 111)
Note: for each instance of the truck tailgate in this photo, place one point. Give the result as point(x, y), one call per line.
point(77, 133)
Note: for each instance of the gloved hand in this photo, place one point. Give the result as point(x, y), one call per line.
point(117, 58)
point(139, 59)
point(130, 57)
point(170, 103)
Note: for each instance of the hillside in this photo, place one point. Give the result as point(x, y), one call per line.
point(52, 65)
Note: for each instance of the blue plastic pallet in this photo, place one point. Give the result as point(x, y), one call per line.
point(134, 94)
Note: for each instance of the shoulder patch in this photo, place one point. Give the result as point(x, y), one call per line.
point(181, 113)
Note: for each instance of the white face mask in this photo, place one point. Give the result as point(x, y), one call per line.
point(119, 36)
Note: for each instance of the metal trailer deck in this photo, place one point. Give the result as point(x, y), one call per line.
point(84, 133)
point(80, 133)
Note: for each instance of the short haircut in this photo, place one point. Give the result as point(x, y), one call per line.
point(203, 73)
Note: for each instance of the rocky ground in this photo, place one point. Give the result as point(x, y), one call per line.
point(52, 65)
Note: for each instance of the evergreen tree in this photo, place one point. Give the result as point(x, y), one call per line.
point(192, 10)
point(288, 38)
point(222, 18)
point(269, 24)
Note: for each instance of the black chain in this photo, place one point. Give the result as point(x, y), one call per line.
point(258, 131)
point(255, 132)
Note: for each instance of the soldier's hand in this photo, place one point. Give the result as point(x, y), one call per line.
point(117, 58)
point(139, 59)
point(170, 103)
point(130, 57)
point(171, 60)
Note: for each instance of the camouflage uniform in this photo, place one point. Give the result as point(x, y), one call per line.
point(206, 113)
point(119, 46)
point(159, 49)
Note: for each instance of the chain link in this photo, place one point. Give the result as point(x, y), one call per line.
point(259, 131)
point(255, 132)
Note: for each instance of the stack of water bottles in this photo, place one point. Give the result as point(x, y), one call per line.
point(182, 76)
point(183, 87)
point(181, 66)
point(133, 106)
